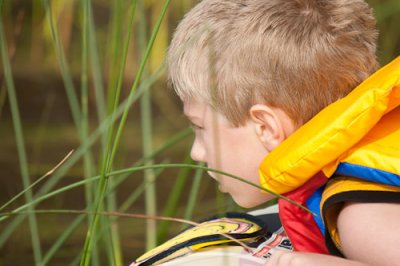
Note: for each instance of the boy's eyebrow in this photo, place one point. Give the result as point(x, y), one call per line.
point(188, 115)
point(191, 118)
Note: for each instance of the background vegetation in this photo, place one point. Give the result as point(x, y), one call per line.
point(89, 76)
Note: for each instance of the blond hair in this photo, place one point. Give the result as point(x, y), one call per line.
point(298, 55)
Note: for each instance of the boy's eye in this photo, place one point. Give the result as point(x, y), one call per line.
point(195, 127)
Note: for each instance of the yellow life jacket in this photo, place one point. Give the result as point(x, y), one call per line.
point(354, 142)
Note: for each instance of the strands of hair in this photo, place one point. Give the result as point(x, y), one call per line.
point(299, 55)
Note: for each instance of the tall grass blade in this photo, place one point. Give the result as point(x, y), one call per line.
point(115, 87)
point(171, 205)
point(115, 51)
point(193, 194)
point(3, 96)
point(84, 128)
point(61, 58)
point(96, 71)
point(116, 90)
point(146, 128)
point(103, 181)
point(138, 78)
point(23, 162)
point(115, 248)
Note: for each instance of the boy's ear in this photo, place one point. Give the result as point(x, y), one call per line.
point(269, 125)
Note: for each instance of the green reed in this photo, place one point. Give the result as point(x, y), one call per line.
point(108, 163)
point(147, 135)
point(20, 143)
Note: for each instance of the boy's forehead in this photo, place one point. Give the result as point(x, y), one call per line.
point(201, 112)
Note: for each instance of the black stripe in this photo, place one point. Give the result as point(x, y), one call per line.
point(373, 196)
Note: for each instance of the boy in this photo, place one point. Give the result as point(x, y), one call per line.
point(253, 75)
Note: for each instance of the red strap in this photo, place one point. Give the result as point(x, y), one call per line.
point(299, 224)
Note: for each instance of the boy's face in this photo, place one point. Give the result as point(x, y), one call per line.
point(236, 150)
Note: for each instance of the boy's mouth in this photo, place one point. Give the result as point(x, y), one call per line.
point(216, 179)
point(211, 174)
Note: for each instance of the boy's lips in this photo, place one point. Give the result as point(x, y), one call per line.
point(220, 187)
point(211, 174)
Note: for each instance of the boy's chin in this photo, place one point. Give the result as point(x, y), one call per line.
point(221, 188)
point(248, 202)
point(245, 203)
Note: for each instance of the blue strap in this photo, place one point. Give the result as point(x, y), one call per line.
point(313, 203)
point(369, 174)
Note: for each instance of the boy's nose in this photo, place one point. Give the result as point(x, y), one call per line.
point(197, 152)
